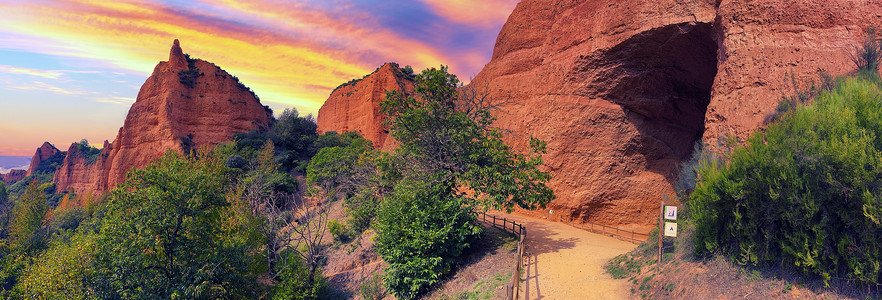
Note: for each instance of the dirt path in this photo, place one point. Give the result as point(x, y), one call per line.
point(562, 262)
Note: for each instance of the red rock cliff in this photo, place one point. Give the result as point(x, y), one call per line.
point(622, 90)
point(45, 151)
point(13, 176)
point(185, 104)
point(354, 106)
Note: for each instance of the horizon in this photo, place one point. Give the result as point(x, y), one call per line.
point(71, 70)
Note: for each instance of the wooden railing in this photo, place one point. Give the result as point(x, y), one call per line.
point(625, 235)
point(520, 231)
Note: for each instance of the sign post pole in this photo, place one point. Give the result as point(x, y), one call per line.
point(661, 230)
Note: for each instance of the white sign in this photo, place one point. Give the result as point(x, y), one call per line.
point(670, 212)
point(671, 229)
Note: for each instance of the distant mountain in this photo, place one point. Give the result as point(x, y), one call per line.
point(14, 162)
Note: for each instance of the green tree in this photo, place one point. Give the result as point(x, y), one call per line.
point(294, 138)
point(64, 271)
point(164, 237)
point(26, 229)
point(353, 170)
point(447, 147)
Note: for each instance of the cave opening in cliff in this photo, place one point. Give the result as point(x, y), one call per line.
point(663, 81)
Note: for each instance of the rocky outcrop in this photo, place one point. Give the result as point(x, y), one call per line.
point(43, 153)
point(622, 90)
point(184, 105)
point(353, 106)
point(13, 176)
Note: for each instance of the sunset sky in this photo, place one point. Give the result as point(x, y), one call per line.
point(70, 69)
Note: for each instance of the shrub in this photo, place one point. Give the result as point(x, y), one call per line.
point(297, 282)
point(867, 56)
point(372, 289)
point(87, 151)
point(422, 230)
point(337, 229)
point(806, 194)
point(188, 77)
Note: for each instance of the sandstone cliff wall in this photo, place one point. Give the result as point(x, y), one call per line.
point(622, 90)
point(43, 153)
point(184, 105)
point(355, 107)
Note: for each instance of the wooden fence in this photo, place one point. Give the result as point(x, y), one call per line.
point(625, 235)
point(520, 231)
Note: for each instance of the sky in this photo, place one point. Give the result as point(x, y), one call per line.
point(70, 70)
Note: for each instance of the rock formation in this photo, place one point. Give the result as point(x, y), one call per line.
point(353, 106)
point(13, 176)
point(43, 153)
point(184, 105)
point(623, 90)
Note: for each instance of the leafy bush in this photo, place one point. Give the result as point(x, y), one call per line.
point(806, 194)
point(297, 282)
point(422, 230)
point(87, 151)
point(188, 77)
point(337, 229)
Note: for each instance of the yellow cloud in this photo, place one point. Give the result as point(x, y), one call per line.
point(31, 72)
point(296, 61)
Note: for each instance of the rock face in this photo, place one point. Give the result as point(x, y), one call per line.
point(354, 106)
point(622, 90)
point(184, 105)
point(13, 176)
point(43, 153)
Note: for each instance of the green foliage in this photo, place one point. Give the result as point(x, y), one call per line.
point(442, 132)
point(4, 197)
point(67, 219)
point(349, 167)
point(294, 138)
point(447, 146)
point(422, 230)
point(188, 77)
point(163, 235)
point(87, 151)
point(408, 70)
point(298, 282)
point(337, 229)
point(64, 271)
point(51, 164)
point(806, 194)
point(26, 232)
point(623, 266)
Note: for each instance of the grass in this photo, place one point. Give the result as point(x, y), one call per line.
point(623, 266)
point(484, 289)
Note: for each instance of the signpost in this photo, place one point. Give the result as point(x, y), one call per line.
point(669, 229)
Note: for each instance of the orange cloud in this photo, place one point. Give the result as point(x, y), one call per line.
point(299, 56)
point(479, 13)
